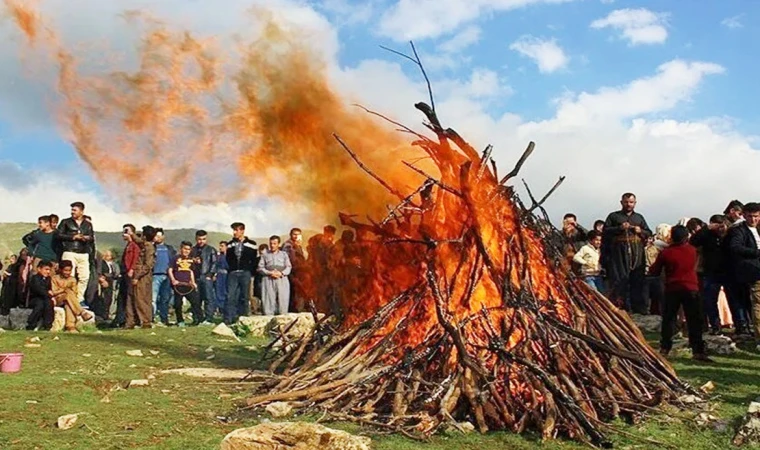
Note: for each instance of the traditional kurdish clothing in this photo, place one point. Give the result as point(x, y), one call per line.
point(275, 292)
point(624, 258)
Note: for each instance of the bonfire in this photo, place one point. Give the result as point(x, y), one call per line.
point(466, 313)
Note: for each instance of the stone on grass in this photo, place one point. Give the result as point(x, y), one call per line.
point(66, 422)
point(134, 353)
point(647, 324)
point(59, 319)
point(749, 431)
point(293, 436)
point(5, 322)
point(279, 409)
point(224, 330)
point(138, 383)
point(256, 324)
point(18, 318)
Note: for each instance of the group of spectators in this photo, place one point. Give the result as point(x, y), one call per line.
point(60, 266)
point(679, 271)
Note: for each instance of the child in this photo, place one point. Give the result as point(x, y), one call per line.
point(588, 260)
point(40, 297)
point(182, 275)
point(65, 293)
point(679, 261)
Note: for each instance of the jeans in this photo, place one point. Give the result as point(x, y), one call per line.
point(195, 307)
point(710, 294)
point(220, 286)
point(737, 295)
point(692, 308)
point(238, 288)
point(207, 296)
point(162, 291)
point(595, 282)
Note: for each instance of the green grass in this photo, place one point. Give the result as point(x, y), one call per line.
point(177, 412)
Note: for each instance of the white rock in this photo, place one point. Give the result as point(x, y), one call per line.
point(18, 318)
point(224, 330)
point(154, 352)
point(257, 324)
point(293, 436)
point(66, 422)
point(210, 350)
point(34, 339)
point(754, 408)
point(138, 383)
point(59, 319)
point(134, 353)
point(2, 330)
point(304, 324)
point(279, 410)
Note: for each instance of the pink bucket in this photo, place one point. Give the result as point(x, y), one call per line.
point(10, 362)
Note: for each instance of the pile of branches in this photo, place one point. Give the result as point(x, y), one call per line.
point(469, 316)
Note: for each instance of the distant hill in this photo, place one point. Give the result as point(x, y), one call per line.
point(11, 234)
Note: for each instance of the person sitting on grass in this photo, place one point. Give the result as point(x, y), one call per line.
point(182, 277)
point(679, 261)
point(587, 259)
point(65, 294)
point(40, 298)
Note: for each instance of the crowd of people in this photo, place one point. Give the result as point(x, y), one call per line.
point(59, 265)
point(678, 272)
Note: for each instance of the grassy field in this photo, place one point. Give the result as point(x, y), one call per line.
point(87, 373)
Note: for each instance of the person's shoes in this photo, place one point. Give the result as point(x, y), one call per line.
point(702, 357)
point(87, 316)
point(716, 332)
point(146, 326)
point(181, 324)
point(160, 324)
point(206, 323)
point(71, 330)
point(664, 352)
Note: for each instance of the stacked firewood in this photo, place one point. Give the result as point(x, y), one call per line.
point(468, 314)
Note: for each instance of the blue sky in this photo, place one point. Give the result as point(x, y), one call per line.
point(568, 74)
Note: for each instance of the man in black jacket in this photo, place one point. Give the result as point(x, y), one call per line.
point(242, 259)
point(709, 240)
point(77, 241)
point(744, 250)
point(204, 257)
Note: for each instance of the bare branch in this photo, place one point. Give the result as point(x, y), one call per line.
point(520, 163)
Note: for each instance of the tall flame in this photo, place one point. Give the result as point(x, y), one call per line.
point(198, 122)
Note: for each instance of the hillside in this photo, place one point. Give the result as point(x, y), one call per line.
point(11, 234)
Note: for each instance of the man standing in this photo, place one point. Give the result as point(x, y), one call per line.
point(204, 256)
point(220, 282)
point(274, 264)
point(299, 274)
point(709, 240)
point(625, 234)
point(128, 261)
point(161, 287)
point(140, 295)
point(744, 250)
point(242, 259)
point(737, 294)
point(109, 272)
point(77, 237)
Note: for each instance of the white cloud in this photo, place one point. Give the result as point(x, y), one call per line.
point(421, 19)
point(733, 22)
point(607, 141)
point(638, 26)
point(546, 53)
point(462, 40)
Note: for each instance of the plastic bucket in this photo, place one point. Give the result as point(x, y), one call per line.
point(10, 362)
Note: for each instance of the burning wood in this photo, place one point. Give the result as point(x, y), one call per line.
point(466, 314)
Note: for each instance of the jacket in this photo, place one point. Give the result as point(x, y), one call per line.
point(248, 259)
point(41, 245)
point(39, 287)
point(743, 254)
point(711, 244)
point(147, 259)
point(680, 265)
point(207, 265)
point(68, 228)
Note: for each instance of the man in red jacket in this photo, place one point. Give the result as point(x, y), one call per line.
point(681, 289)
